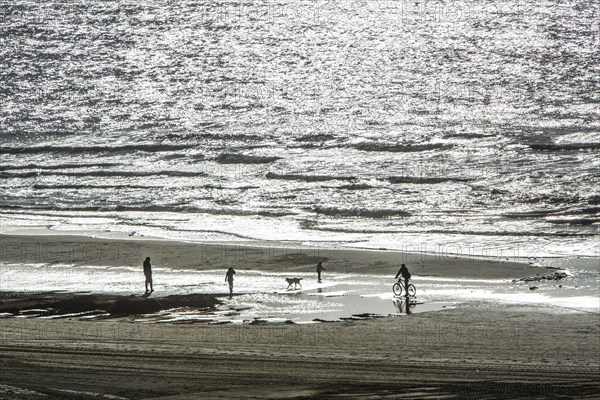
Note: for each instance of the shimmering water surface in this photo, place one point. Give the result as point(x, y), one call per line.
point(265, 296)
point(470, 126)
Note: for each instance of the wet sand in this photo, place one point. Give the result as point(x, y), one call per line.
point(264, 256)
point(53, 304)
point(469, 352)
point(476, 350)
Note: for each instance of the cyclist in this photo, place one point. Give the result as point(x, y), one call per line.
point(406, 275)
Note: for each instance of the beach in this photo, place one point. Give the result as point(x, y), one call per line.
point(119, 249)
point(469, 352)
point(474, 349)
point(174, 174)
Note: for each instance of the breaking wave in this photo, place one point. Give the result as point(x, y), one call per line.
point(359, 212)
point(228, 158)
point(564, 146)
point(150, 208)
point(34, 174)
point(58, 166)
point(425, 179)
point(399, 148)
point(308, 178)
point(148, 148)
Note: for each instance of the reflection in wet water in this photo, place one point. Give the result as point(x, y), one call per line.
point(264, 295)
point(405, 305)
point(300, 307)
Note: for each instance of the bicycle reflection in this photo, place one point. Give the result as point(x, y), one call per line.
point(405, 306)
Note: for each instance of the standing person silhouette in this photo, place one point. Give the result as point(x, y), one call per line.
point(229, 278)
point(406, 275)
point(319, 269)
point(148, 274)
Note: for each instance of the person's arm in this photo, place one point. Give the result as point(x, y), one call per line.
point(397, 275)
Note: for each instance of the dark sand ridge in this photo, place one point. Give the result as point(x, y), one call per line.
point(59, 303)
point(264, 256)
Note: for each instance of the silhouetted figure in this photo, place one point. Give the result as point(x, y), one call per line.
point(406, 275)
point(319, 269)
point(148, 274)
point(229, 279)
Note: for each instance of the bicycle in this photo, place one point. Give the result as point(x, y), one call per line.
point(398, 289)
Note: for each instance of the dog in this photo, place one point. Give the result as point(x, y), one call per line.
point(293, 281)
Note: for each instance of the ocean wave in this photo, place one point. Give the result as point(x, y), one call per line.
point(594, 199)
point(356, 186)
point(102, 173)
point(425, 179)
point(469, 135)
point(232, 158)
point(308, 178)
point(58, 166)
point(359, 212)
point(399, 148)
point(180, 229)
point(556, 212)
point(149, 148)
point(186, 156)
point(573, 221)
point(563, 146)
point(319, 137)
point(317, 227)
point(582, 210)
point(550, 199)
point(176, 208)
point(221, 187)
point(200, 136)
point(530, 214)
point(38, 186)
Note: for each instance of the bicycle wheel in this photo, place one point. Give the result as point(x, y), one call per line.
point(398, 289)
point(412, 290)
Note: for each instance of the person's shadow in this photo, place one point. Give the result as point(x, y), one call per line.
point(146, 294)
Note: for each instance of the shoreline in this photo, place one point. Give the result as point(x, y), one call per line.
point(78, 249)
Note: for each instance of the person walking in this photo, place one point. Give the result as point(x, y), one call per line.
point(229, 278)
point(319, 269)
point(148, 275)
point(406, 275)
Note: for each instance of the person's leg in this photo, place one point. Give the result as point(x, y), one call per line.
point(151, 287)
point(406, 286)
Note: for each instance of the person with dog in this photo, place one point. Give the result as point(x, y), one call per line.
point(148, 275)
point(406, 275)
point(229, 278)
point(319, 269)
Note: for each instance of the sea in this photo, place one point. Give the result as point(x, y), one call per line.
point(464, 127)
